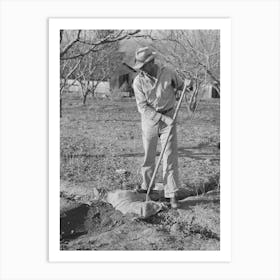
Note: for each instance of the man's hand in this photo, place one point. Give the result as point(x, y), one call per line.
point(167, 120)
point(190, 84)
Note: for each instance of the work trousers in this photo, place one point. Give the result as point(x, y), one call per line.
point(151, 131)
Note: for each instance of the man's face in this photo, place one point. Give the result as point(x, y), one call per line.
point(148, 67)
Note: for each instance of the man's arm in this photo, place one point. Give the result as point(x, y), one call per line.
point(143, 107)
point(179, 83)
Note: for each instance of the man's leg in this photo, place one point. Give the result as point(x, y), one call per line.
point(170, 161)
point(150, 138)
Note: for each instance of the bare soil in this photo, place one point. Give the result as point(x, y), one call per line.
point(104, 136)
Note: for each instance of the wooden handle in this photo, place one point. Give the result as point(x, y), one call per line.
point(165, 144)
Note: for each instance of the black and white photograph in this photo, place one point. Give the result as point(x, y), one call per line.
point(137, 129)
point(139, 139)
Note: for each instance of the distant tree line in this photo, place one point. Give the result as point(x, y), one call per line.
point(92, 55)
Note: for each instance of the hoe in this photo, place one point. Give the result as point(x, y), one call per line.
point(185, 89)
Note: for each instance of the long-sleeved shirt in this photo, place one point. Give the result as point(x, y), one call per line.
point(156, 95)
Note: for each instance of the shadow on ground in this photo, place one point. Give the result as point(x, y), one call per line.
point(98, 226)
point(198, 153)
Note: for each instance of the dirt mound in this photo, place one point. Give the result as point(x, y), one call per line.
point(100, 227)
point(80, 218)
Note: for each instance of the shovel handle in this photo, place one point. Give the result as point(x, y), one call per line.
point(186, 83)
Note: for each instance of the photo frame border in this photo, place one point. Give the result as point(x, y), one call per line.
point(55, 254)
point(20, 193)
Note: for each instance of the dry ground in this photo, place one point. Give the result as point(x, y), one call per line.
point(104, 136)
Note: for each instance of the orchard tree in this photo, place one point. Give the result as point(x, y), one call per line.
point(97, 68)
point(193, 54)
point(87, 56)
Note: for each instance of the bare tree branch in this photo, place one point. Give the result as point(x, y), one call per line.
point(107, 40)
point(71, 44)
point(65, 79)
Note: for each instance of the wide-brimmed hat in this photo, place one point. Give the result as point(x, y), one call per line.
point(143, 56)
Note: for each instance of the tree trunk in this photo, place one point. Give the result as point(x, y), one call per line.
point(85, 99)
point(60, 106)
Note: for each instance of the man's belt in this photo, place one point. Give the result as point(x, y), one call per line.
point(164, 111)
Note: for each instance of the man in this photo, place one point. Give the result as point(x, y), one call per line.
point(155, 88)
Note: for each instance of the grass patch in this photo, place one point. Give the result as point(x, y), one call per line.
point(105, 135)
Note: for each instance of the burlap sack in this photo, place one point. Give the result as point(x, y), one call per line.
point(128, 201)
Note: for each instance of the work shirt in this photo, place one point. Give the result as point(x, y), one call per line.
point(156, 95)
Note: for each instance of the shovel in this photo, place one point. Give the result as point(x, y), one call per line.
point(186, 84)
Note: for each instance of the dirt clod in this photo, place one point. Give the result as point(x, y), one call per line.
point(100, 227)
point(90, 156)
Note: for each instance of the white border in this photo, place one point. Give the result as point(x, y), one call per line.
point(55, 255)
